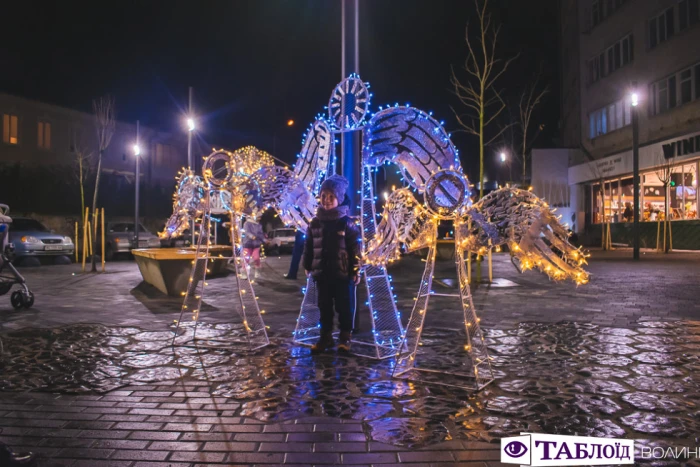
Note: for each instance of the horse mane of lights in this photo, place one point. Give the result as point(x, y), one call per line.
point(247, 181)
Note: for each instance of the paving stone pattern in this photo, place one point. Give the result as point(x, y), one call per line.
point(117, 393)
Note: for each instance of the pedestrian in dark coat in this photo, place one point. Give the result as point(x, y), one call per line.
point(332, 257)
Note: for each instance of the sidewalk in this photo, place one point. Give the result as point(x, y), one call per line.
point(89, 377)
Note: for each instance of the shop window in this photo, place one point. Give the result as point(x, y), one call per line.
point(627, 199)
point(683, 190)
point(9, 129)
point(653, 194)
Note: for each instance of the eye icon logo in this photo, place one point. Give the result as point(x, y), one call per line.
point(515, 449)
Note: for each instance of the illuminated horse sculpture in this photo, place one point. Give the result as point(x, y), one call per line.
point(239, 184)
point(429, 163)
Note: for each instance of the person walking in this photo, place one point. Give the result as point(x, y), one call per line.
point(331, 258)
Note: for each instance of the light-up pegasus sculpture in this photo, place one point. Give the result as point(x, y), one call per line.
point(237, 183)
point(429, 163)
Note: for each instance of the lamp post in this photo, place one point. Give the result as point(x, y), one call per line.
point(190, 129)
point(191, 126)
point(504, 160)
point(635, 172)
point(137, 154)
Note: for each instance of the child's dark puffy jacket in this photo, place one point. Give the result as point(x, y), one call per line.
point(332, 247)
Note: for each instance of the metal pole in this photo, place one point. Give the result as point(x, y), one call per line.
point(190, 162)
point(350, 141)
point(635, 177)
point(137, 183)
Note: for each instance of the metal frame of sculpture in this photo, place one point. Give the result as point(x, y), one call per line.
point(430, 166)
point(223, 188)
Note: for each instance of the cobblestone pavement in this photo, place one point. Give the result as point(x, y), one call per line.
point(88, 376)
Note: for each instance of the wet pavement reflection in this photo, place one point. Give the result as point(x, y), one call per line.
point(565, 378)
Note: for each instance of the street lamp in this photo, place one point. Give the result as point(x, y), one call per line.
point(634, 99)
point(504, 160)
point(137, 154)
point(190, 124)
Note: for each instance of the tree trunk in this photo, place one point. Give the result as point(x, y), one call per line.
point(524, 158)
point(94, 209)
point(82, 190)
point(481, 154)
point(481, 174)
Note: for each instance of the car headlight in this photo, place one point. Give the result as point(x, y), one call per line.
point(29, 239)
point(67, 241)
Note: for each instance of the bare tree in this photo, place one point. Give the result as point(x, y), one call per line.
point(82, 166)
point(477, 92)
point(104, 123)
point(606, 242)
point(529, 99)
point(665, 174)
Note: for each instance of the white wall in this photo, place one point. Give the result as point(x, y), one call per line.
point(550, 181)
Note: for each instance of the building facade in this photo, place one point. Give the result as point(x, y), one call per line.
point(611, 50)
point(36, 134)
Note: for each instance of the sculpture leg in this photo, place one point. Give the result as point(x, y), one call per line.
point(308, 328)
point(406, 360)
point(387, 330)
point(248, 309)
point(475, 346)
point(195, 287)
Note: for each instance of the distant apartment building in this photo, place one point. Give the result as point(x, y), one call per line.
point(611, 49)
point(38, 134)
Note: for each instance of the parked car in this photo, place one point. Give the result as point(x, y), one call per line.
point(280, 239)
point(31, 238)
point(119, 237)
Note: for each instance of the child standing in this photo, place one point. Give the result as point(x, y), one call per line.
point(331, 257)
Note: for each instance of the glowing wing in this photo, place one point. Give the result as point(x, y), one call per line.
point(188, 202)
point(414, 141)
point(533, 233)
point(404, 221)
point(279, 188)
point(312, 162)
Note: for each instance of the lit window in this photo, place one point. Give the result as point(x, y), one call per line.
point(9, 129)
point(44, 135)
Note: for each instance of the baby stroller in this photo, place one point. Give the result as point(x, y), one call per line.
point(21, 298)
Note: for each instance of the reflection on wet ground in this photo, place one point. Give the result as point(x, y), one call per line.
point(566, 378)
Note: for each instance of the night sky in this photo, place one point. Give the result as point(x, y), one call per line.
point(256, 64)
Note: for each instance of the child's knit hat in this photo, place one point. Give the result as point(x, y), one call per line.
point(337, 184)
